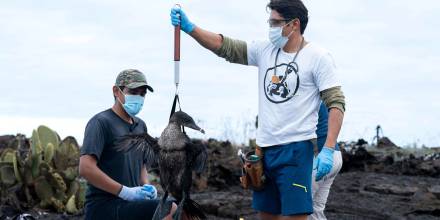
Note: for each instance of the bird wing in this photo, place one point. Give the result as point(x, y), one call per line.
point(142, 143)
point(200, 155)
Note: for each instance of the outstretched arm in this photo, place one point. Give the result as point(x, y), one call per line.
point(234, 51)
point(207, 39)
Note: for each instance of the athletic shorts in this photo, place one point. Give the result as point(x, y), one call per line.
point(118, 209)
point(288, 171)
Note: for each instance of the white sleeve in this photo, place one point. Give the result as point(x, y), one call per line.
point(253, 53)
point(325, 73)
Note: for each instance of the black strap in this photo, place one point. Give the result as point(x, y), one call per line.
point(294, 58)
point(173, 108)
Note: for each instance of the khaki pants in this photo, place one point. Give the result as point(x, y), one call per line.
point(321, 189)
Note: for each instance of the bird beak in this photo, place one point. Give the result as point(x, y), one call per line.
point(195, 127)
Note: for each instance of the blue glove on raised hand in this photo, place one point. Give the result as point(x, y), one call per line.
point(150, 190)
point(133, 193)
point(179, 17)
point(324, 162)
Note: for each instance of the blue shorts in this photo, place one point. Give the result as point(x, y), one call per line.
point(288, 170)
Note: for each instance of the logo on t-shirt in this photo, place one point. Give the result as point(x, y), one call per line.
point(281, 82)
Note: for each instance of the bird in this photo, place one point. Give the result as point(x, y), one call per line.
point(177, 157)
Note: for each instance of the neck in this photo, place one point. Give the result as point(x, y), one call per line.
point(119, 110)
point(294, 43)
point(174, 124)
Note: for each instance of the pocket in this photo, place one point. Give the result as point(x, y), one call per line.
point(280, 156)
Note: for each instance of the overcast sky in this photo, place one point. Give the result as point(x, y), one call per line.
point(59, 60)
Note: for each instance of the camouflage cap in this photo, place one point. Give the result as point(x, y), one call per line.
point(131, 79)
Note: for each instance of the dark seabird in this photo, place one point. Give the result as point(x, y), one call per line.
point(177, 158)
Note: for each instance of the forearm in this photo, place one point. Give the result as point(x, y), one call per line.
point(234, 51)
point(335, 119)
point(207, 39)
point(144, 176)
point(97, 178)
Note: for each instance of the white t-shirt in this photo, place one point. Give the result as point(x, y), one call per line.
point(289, 100)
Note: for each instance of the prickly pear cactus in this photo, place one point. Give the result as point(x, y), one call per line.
point(70, 173)
point(71, 205)
point(49, 142)
point(44, 191)
point(57, 182)
point(7, 176)
point(46, 170)
point(67, 154)
point(73, 188)
point(9, 172)
point(81, 193)
point(76, 197)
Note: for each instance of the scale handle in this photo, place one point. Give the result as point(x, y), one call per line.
point(177, 52)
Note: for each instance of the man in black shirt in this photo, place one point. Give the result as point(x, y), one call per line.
point(117, 182)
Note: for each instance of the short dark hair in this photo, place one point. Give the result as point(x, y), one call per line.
point(121, 88)
point(291, 9)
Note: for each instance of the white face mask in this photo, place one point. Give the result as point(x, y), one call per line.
point(277, 38)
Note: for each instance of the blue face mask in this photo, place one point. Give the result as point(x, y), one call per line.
point(277, 38)
point(133, 104)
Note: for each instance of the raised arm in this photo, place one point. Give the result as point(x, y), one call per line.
point(234, 51)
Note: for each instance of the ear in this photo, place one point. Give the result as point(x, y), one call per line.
point(296, 23)
point(117, 94)
point(115, 91)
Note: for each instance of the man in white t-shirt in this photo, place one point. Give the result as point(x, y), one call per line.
point(293, 77)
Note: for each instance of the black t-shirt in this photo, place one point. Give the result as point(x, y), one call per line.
point(101, 135)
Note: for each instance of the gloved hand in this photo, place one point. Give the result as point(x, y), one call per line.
point(134, 193)
point(150, 190)
point(179, 17)
point(324, 162)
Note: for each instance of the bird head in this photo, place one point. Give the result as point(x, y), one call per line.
point(183, 119)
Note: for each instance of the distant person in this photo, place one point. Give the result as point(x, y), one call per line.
point(294, 75)
point(118, 187)
point(321, 188)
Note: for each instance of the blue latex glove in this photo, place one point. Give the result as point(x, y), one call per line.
point(324, 162)
point(184, 22)
point(150, 190)
point(133, 193)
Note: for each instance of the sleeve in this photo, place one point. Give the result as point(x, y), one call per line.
point(144, 126)
point(233, 50)
point(333, 98)
point(94, 139)
point(253, 53)
point(325, 73)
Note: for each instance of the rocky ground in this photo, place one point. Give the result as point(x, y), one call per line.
point(375, 183)
point(354, 195)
